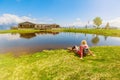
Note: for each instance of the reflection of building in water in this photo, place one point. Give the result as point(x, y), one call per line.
point(27, 35)
point(31, 35)
point(95, 40)
point(53, 33)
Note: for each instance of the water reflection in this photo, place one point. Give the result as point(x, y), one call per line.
point(27, 35)
point(49, 32)
point(105, 37)
point(32, 35)
point(95, 40)
point(34, 42)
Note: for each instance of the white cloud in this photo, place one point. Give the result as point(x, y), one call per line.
point(114, 22)
point(7, 19)
point(9, 37)
point(77, 23)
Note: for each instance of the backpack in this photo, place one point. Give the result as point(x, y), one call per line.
point(85, 51)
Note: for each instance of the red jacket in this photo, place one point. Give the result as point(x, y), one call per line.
point(80, 51)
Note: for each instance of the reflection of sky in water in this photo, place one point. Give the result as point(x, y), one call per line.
point(50, 41)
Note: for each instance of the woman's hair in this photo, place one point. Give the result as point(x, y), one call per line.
point(83, 42)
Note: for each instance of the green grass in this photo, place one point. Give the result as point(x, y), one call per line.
point(63, 65)
point(19, 31)
point(109, 32)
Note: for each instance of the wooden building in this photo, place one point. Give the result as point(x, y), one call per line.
point(29, 25)
point(26, 25)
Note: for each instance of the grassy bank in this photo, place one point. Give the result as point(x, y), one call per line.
point(63, 65)
point(110, 32)
point(19, 31)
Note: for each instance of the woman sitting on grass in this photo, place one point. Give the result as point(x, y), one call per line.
point(82, 50)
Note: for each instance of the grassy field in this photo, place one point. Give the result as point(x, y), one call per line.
point(109, 32)
point(19, 31)
point(63, 65)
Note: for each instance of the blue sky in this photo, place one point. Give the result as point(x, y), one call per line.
point(62, 11)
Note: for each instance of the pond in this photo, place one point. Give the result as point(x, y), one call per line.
point(19, 44)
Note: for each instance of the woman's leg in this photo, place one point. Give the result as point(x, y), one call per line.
point(90, 52)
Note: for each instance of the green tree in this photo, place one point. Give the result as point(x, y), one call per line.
point(107, 26)
point(97, 21)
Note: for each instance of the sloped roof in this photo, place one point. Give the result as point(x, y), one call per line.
point(26, 22)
